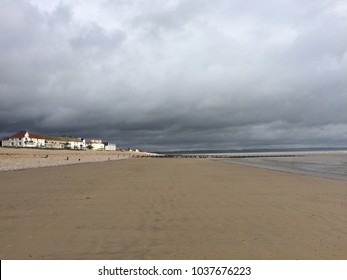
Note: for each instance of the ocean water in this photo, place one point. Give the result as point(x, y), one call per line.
point(323, 164)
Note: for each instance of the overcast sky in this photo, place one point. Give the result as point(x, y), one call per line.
point(176, 74)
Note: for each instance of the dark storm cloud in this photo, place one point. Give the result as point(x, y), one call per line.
point(176, 74)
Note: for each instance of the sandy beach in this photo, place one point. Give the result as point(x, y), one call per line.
point(18, 158)
point(170, 209)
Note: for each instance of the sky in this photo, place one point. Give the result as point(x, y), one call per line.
point(177, 74)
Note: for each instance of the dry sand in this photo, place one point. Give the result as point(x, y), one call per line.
point(19, 158)
point(170, 209)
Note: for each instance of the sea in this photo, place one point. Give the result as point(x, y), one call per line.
point(326, 164)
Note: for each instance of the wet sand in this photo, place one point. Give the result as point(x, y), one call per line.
point(332, 165)
point(170, 209)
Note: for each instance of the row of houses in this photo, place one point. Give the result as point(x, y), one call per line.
point(26, 139)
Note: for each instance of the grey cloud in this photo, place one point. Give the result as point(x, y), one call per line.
point(94, 39)
point(177, 74)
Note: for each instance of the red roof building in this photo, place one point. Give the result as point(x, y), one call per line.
point(27, 139)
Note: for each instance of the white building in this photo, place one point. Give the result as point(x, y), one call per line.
point(110, 146)
point(27, 139)
point(95, 144)
point(24, 139)
point(75, 143)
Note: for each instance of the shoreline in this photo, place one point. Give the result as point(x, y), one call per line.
point(323, 165)
point(302, 162)
point(170, 209)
